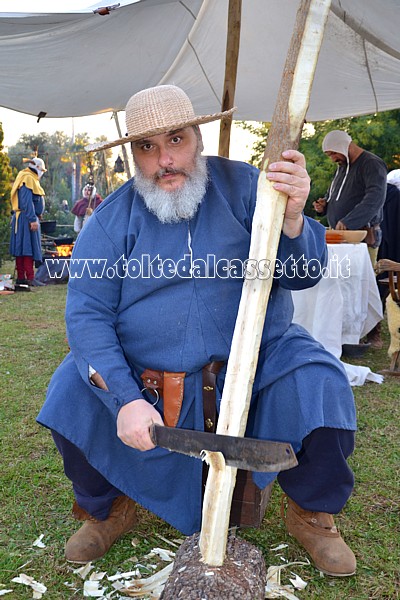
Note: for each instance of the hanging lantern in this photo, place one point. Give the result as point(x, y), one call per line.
point(119, 165)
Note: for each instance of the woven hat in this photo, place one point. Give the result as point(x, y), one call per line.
point(158, 110)
point(337, 141)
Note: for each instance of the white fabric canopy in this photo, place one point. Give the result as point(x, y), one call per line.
point(75, 64)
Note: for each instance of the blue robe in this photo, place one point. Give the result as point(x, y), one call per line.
point(25, 242)
point(151, 318)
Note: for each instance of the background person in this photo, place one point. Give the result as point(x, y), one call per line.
point(84, 207)
point(357, 193)
point(389, 250)
point(27, 200)
point(393, 178)
point(181, 207)
point(390, 246)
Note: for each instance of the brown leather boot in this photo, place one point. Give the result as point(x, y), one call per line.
point(95, 537)
point(317, 533)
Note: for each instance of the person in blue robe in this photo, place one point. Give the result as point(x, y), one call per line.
point(27, 200)
point(155, 283)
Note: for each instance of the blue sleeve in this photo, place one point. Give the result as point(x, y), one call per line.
point(25, 203)
point(91, 316)
point(300, 260)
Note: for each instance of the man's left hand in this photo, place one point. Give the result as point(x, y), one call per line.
point(291, 178)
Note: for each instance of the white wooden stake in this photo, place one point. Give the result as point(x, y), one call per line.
point(285, 132)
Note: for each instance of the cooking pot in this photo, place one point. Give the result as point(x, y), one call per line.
point(48, 226)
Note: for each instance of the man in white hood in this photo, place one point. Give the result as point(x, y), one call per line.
point(356, 196)
point(357, 193)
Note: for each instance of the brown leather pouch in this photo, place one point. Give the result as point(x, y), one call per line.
point(170, 386)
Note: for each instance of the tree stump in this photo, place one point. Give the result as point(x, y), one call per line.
point(241, 577)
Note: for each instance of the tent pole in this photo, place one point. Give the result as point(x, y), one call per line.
point(124, 152)
point(231, 63)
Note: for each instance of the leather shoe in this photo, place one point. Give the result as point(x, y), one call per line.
point(317, 533)
point(95, 537)
point(35, 283)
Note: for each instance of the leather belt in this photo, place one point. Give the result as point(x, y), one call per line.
point(210, 373)
point(170, 386)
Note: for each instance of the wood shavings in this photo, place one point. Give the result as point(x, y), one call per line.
point(175, 543)
point(166, 555)
point(153, 585)
point(298, 582)
point(126, 575)
point(38, 542)
point(83, 571)
point(118, 585)
point(97, 576)
point(69, 585)
point(274, 588)
point(92, 589)
point(38, 588)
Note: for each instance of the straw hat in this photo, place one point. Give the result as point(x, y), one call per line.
point(158, 110)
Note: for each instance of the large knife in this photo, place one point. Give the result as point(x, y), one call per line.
point(244, 453)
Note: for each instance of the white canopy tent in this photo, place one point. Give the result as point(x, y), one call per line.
point(82, 63)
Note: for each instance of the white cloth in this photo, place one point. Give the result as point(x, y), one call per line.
point(344, 306)
point(358, 375)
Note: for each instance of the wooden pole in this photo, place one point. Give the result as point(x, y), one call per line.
point(124, 152)
point(285, 131)
point(231, 63)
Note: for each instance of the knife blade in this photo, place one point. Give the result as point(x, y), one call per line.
point(244, 453)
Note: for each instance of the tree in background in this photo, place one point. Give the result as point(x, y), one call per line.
point(378, 133)
point(5, 201)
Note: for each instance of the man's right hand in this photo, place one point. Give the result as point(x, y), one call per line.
point(34, 226)
point(319, 205)
point(133, 424)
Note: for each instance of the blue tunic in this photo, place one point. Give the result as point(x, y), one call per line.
point(150, 316)
point(25, 242)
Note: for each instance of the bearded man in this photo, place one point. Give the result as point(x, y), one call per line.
point(142, 338)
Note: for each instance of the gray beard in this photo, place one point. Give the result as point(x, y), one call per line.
point(176, 205)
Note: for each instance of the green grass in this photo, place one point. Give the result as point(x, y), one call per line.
point(36, 497)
